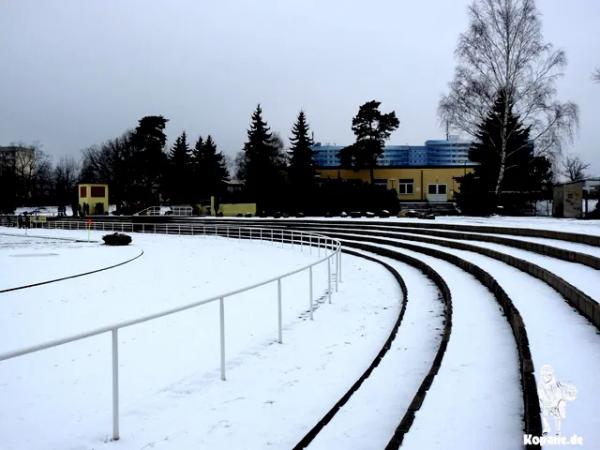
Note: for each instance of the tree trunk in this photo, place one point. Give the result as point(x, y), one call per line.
point(503, 145)
point(501, 170)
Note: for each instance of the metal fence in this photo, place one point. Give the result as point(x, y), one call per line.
point(328, 252)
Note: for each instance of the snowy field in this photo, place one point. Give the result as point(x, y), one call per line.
point(171, 393)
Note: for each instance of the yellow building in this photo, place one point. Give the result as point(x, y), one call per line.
point(93, 198)
point(414, 184)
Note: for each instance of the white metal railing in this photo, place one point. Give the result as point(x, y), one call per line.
point(331, 249)
point(149, 211)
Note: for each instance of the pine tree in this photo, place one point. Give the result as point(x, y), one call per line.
point(302, 168)
point(523, 171)
point(372, 129)
point(210, 168)
point(179, 171)
point(485, 148)
point(262, 163)
point(146, 161)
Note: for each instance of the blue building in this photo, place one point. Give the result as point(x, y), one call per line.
point(434, 153)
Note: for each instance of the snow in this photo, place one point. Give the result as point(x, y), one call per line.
point(480, 361)
point(27, 260)
point(558, 336)
point(171, 394)
point(582, 277)
point(542, 223)
point(585, 278)
point(372, 414)
point(566, 245)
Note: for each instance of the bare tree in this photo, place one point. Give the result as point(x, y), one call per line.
point(66, 175)
point(574, 168)
point(502, 53)
point(33, 173)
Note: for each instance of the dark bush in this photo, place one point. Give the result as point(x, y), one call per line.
point(116, 239)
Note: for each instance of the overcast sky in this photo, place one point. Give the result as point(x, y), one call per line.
point(74, 73)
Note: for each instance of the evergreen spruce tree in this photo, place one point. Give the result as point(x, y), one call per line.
point(210, 169)
point(523, 171)
point(146, 162)
point(262, 164)
point(179, 171)
point(302, 168)
point(196, 176)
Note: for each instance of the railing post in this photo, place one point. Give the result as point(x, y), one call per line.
point(340, 263)
point(337, 270)
point(222, 336)
point(310, 290)
point(239, 232)
point(329, 278)
point(261, 234)
point(115, 383)
point(279, 316)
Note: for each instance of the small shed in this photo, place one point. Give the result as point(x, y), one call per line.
point(93, 198)
point(571, 199)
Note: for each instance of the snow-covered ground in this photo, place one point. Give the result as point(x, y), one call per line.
point(582, 277)
point(557, 335)
point(27, 260)
point(480, 361)
point(543, 223)
point(171, 393)
point(371, 416)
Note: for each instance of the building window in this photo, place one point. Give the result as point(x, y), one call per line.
point(82, 191)
point(380, 182)
point(436, 189)
point(406, 186)
point(97, 191)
